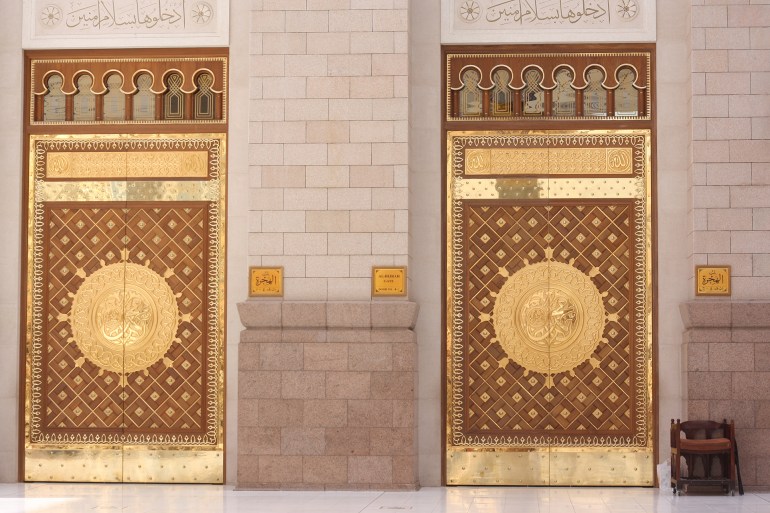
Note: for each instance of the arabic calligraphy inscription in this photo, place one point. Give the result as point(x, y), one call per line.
point(472, 15)
point(123, 16)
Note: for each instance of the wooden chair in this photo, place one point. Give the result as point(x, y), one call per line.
point(705, 445)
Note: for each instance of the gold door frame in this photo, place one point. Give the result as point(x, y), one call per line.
point(159, 170)
point(536, 167)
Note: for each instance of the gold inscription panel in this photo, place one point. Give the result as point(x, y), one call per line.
point(123, 164)
point(549, 299)
point(549, 161)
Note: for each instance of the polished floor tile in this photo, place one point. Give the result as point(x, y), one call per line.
point(133, 498)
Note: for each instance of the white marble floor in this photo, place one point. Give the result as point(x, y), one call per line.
point(105, 498)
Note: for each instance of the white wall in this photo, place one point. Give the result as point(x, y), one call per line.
point(10, 234)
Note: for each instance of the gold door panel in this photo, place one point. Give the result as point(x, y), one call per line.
point(549, 297)
point(125, 368)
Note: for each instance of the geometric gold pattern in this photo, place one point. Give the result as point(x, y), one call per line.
point(125, 316)
point(549, 303)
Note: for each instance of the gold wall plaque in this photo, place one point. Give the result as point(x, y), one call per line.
point(712, 280)
point(265, 281)
point(388, 281)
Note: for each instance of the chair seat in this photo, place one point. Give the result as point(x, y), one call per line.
point(705, 446)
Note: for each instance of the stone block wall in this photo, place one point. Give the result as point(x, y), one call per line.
point(328, 151)
point(730, 129)
point(727, 355)
point(326, 395)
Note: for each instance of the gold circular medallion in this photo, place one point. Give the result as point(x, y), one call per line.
point(124, 317)
point(549, 317)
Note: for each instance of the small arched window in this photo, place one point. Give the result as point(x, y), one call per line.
point(144, 98)
point(532, 97)
point(54, 101)
point(470, 95)
point(626, 95)
point(173, 99)
point(84, 103)
point(501, 93)
point(563, 99)
point(595, 96)
point(114, 99)
point(204, 97)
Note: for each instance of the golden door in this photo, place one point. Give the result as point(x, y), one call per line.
point(125, 308)
point(549, 308)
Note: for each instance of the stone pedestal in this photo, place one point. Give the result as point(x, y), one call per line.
point(727, 354)
point(326, 395)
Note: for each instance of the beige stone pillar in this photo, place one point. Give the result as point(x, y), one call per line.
point(326, 395)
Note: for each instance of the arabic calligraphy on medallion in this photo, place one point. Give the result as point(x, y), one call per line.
point(101, 17)
point(512, 14)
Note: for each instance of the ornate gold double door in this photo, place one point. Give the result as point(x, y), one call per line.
point(125, 308)
point(549, 308)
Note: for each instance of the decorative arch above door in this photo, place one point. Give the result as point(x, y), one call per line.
point(549, 267)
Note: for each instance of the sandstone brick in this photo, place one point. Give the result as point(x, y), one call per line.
point(302, 440)
point(742, 412)
point(709, 16)
point(259, 314)
point(358, 20)
point(328, 43)
point(405, 470)
point(259, 384)
point(303, 336)
point(697, 357)
point(370, 469)
point(709, 385)
point(751, 314)
point(328, 132)
point(280, 356)
point(370, 413)
point(350, 244)
point(303, 385)
point(280, 469)
point(304, 314)
point(405, 357)
point(350, 199)
point(307, 21)
point(248, 470)
point(279, 412)
point(348, 314)
point(326, 357)
point(404, 414)
point(348, 385)
point(349, 336)
point(256, 440)
point(751, 385)
point(347, 441)
point(762, 357)
point(327, 470)
point(762, 414)
point(698, 410)
point(325, 413)
point(328, 221)
point(392, 441)
point(330, 266)
point(731, 357)
point(371, 357)
point(248, 356)
point(328, 176)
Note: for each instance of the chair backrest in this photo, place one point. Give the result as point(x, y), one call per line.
point(706, 429)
